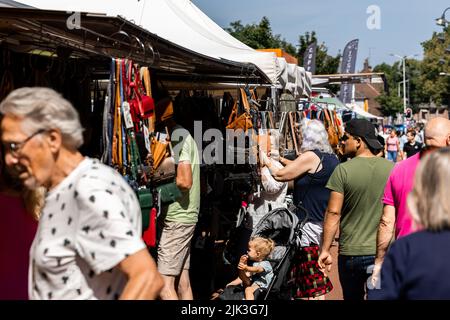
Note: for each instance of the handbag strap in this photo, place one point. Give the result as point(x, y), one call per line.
point(123, 142)
point(106, 141)
point(116, 128)
point(271, 124)
point(148, 90)
point(293, 134)
point(244, 99)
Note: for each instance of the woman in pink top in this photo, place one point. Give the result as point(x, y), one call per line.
point(19, 212)
point(392, 146)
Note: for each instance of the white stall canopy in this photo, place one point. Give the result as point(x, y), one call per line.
point(178, 21)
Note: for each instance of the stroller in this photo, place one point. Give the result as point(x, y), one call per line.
point(284, 228)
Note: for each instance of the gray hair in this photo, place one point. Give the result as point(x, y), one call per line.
point(44, 108)
point(314, 136)
point(429, 202)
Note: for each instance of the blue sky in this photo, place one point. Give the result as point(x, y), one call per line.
point(404, 24)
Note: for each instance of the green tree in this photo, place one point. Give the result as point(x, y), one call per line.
point(435, 87)
point(390, 104)
point(389, 101)
point(259, 36)
point(325, 63)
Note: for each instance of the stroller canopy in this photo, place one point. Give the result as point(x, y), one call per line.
point(278, 225)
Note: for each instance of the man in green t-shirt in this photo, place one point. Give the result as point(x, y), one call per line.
point(178, 219)
point(355, 207)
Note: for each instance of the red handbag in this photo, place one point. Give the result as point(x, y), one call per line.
point(145, 104)
point(141, 105)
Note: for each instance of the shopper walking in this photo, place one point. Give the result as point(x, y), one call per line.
point(396, 221)
point(88, 244)
point(355, 207)
point(392, 146)
point(415, 266)
point(178, 220)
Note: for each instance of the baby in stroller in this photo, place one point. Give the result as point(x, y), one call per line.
point(281, 226)
point(260, 274)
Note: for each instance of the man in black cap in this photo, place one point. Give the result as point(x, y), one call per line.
point(355, 207)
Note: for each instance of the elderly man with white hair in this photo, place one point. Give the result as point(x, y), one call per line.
point(88, 244)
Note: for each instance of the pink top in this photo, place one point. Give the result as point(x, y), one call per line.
point(398, 186)
point(392, 143)
point(17, 230)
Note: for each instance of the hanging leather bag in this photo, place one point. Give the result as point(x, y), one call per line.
point(332, 134)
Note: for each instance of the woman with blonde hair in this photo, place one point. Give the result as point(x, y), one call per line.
point(416, 266)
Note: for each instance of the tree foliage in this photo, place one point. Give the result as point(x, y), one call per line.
point(435, 87)
point(260, 36)
point(425, 84)
point(325, 63)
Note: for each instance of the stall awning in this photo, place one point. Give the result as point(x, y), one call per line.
point(368, 77)
point(178, 21)
point(360, 113)
point(333, 101)
point(24, 30)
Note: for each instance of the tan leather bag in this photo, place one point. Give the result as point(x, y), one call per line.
point(333, 137)
point(243, 121)
point(236, 122)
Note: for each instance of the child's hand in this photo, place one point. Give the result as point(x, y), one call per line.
point(242, 266)
point(243, 259)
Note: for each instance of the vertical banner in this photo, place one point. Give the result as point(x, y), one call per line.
point(348, 66)
point(309, 58)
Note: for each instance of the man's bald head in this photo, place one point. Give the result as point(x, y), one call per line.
point(437, 132)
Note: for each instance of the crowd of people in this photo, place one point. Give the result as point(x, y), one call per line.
point(85, 225)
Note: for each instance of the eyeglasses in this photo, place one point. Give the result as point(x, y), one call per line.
point(15, 147)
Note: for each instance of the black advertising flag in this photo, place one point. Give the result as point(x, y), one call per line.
point(348, 66)
point(309, 58)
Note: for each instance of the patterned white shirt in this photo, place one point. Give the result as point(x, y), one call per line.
point(90, 223)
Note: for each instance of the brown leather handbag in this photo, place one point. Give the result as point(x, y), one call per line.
point(333, 137)
point(243, 121)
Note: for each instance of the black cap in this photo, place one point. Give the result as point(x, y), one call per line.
point(364, 129)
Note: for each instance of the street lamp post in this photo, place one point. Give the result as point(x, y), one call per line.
point(404, 81)
point(441, 21)
point(403, 58)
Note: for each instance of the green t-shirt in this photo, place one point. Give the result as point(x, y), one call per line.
point(361, 181)
point(186, 208)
